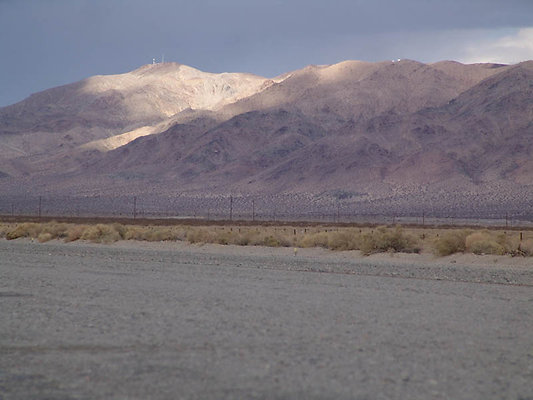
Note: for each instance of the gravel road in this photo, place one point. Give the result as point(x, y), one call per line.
point(138, 321)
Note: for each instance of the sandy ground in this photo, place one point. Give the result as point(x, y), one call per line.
point(324, 254)
point(136, 320)
point(457, 267)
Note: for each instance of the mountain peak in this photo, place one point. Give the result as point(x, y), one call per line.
point(157, 69)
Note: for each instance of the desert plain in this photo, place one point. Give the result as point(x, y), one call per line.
point(159, 320)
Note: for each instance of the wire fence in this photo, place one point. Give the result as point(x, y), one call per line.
point(261, 209)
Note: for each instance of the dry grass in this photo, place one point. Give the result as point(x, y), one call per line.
point(368, 240)
point(389, 240)
point(24, 230)
point(75, 232)
point(485, 242)
point(4, 229)
point(153, 234)
point(348, 239)
point(319, 239)
point(44, 237)
point(101, 233)
point(526, 248)
point(240, 237)
point(451, 242)
point(54, 229)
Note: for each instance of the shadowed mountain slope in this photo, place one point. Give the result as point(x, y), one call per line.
point(398, 132)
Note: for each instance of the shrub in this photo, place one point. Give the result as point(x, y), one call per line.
point(199, 236)
point(120, 229)
point(101, 233)
point(344, 240)
point(160, 234)
point(4, 229)
point(487, 247)
point(244, 239)
point(271, 241)
point(74, 232)
point(451, 242)
point(252, 238)
point(28, 229)
point(384, 239)
point(338, 240)
point(44, 237)
point(167, 234)
point(225, 238)
point(526, 247)
point(275, 240)
point(55, 229)
point(320, 239)
point(134, 233)
point(485, 243)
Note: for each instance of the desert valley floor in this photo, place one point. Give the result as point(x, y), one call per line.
point(153, 320)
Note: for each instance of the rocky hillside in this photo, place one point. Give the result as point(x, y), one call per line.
point(394, 134)
point(105, 106)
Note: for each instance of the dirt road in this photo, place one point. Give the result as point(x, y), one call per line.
point(137, 321)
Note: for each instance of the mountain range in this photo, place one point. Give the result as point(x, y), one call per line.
point(395, 137)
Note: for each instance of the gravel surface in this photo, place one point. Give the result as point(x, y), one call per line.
point(174, 321)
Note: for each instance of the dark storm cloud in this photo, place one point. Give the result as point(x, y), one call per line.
point(45, 43)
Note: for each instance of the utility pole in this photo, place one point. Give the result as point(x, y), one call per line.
point(231, 208)
point(134, 207)
point(40, 205)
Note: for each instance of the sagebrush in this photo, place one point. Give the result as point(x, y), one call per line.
point(368, 240)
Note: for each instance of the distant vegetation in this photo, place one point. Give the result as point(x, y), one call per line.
point(441, 242)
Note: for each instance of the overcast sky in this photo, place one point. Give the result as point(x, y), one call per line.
point(46, 43)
